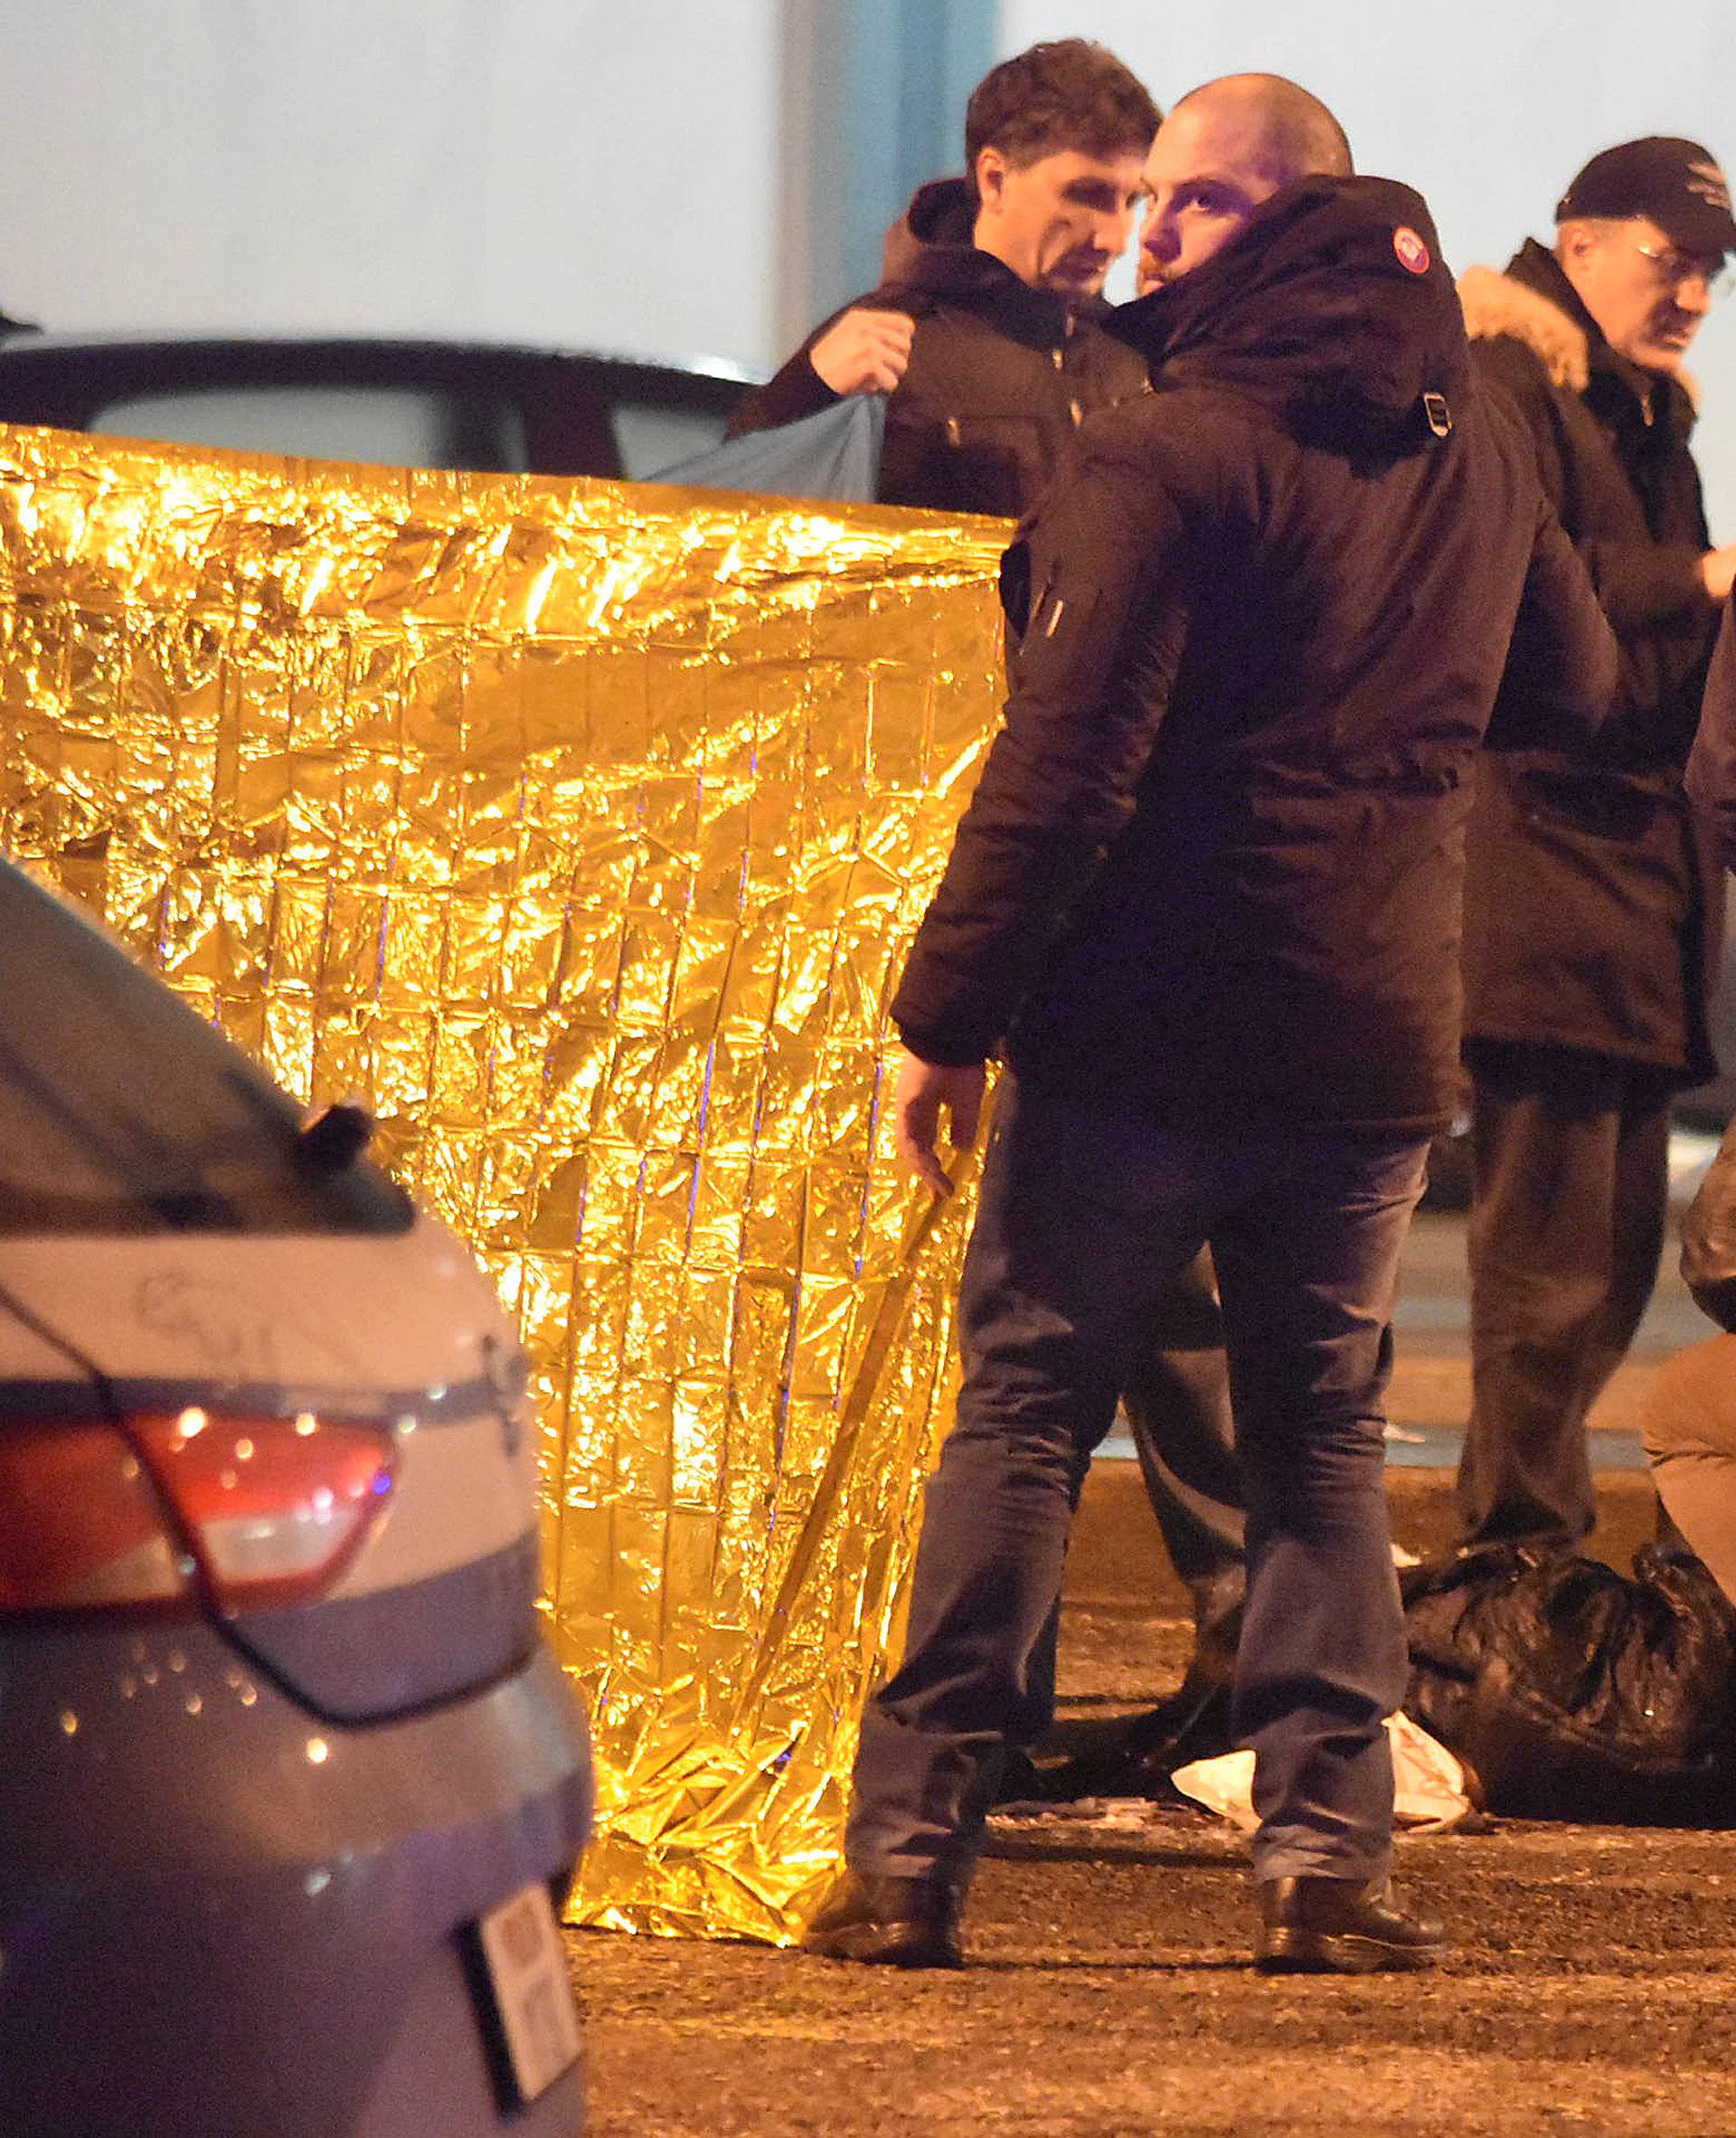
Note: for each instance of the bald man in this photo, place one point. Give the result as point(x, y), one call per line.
point(1204, 899)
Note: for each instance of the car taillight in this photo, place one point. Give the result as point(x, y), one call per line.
point(273, 1509)
point(257, 1511)
point(80, 1525)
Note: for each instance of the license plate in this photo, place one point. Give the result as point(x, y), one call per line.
point(527, 1971)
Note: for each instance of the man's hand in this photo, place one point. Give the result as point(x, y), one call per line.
point(922, 1091)
point(864, 352)
point(1718, 569)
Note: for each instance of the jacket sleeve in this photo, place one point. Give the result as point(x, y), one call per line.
point(1097, 616)
point(793, 393)
point(1711, 779)
point(1563, 667)
point(1642, 584)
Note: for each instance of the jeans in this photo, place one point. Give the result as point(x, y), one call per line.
point(1570, 1187)
point(1178, 1414)
point(1083, 1218)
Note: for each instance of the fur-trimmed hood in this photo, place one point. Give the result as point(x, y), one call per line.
point(1497, 304)
point(1534, 303)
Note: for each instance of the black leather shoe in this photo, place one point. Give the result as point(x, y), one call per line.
point(889, 1922)
point(1342, 1927)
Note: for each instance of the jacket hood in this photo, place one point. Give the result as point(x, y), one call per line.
point(1332, 307)
point(940, 213)
point(1534, 303)
point(1550, 322)
point(928, 254)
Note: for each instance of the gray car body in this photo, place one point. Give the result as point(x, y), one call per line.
point(243, 1853)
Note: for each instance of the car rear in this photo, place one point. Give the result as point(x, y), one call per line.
point(289, 1783)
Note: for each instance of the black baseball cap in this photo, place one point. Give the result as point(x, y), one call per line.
point(1677, 184)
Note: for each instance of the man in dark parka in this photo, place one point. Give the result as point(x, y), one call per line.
point(1593, 923)
point(1206, 896)
point(988, 339)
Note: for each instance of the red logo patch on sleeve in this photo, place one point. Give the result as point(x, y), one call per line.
point(1414, 254)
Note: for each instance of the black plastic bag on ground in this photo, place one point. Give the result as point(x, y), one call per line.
point(1574, 1692)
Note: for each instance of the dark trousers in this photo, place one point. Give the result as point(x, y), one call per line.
point(1570, 1191)
point(1178, 1407)
point(1083, 1218)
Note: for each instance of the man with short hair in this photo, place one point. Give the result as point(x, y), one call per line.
point(988, 341)
point(1206, 896)
point(1592, 917)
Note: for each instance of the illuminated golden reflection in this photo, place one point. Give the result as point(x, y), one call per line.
point(578, 831)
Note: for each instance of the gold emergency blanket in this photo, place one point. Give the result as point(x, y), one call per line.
point(579, 830)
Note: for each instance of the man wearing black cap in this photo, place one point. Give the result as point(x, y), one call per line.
point(1206, 892)
point(1592, 904)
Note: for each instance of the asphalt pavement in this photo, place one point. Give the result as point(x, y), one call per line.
point(1109, 1990)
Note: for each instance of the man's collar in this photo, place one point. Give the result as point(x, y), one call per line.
point(1537, 268)
point(965, 274)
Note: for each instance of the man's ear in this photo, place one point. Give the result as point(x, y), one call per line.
point(990, 175)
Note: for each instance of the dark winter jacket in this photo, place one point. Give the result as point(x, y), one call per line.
point(1593, 916)
point(1212, 867)
point(1000, 374)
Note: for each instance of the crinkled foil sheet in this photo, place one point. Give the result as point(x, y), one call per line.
point(580, 829)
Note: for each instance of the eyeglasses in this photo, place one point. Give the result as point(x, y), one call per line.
point(1676, 267)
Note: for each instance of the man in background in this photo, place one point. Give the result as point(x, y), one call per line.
point(988, 341)
point(1593, 907)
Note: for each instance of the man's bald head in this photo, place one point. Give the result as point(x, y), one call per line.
point(1224, 149)
point(1290, 135)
